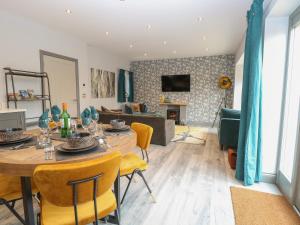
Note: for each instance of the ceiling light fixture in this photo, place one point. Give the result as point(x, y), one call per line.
point(199, 19)
point(149, 27)
point(131, 46)
point(174, 52)
point(68, 11)
point(165, 42)
point(106, 33)
point(204, 38)
point(207, 49)
point(145, 54)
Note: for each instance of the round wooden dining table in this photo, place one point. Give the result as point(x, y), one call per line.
point(23, 162)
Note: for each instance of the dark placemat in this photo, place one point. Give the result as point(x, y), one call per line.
point(27, 143)
point(57, 137)
point(61, 156)
point(119, 133)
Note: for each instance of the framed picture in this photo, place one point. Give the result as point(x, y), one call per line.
point(102, 83)
point(23, 93)
point(30, 93)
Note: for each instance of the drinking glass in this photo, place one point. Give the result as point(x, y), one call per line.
point(44, 138)
point(49, 152)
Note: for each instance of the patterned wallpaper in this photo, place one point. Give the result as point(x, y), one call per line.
point(205, 96)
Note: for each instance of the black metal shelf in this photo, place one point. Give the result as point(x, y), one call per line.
point(43, 76)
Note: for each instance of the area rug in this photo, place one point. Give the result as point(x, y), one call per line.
point(190, 135)
point(259, 208)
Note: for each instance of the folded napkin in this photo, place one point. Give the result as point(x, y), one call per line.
point(55, 112)
point(43, 120)
point(86, 116)
point(94, 113)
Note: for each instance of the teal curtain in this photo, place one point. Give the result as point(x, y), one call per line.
point(121, 86)
point(249, 160)
point(131, 93)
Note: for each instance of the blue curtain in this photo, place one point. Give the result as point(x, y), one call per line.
point(131, 93)
point(249, 159)
point(121, 86)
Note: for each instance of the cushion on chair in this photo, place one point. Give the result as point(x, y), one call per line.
point(130, 162)
point(230, 113)
point(10, 187)
point(106, 203)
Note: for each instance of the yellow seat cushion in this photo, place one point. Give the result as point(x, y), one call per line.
point(16, 195)
point(52, 214)
point(130, 162)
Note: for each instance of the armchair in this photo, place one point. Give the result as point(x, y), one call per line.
point(229, 124)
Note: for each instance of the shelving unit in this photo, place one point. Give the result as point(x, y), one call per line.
point(43, 76)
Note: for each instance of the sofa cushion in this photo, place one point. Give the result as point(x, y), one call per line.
point(230, 113)
point(128, 109)
point(143, 108)
point(135, 107)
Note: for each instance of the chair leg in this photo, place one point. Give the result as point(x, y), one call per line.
point(140, 173)
point(117, 217)
point(14, 212)
point(128, 186)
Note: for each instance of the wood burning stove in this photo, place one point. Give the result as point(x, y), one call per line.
point(174, 114)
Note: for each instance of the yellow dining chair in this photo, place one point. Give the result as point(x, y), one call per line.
point(10, 192)
point(131, 163)
point(77, 193)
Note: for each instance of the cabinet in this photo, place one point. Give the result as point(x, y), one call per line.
point(12, 120)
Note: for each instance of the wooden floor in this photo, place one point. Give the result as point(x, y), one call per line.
point(191, 184)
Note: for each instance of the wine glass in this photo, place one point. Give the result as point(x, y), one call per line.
point(86, 123)
point(95, 118)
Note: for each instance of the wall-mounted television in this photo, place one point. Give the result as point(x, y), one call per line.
point(176, 83)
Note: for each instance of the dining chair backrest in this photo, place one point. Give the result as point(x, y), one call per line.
point(9, 184)
point(144, 135)
point(59, 183)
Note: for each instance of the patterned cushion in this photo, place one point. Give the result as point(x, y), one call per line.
point(143, 108)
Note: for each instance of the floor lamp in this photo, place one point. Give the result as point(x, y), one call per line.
point(224, 84)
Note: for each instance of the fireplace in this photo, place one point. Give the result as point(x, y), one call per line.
point(174, 114)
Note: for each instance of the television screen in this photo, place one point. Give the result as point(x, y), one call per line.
point(175, 83)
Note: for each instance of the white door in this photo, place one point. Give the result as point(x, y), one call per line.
point(63, 83)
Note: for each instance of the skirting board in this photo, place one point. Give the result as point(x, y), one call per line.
point(269, 178)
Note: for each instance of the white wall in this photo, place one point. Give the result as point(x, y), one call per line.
point(238, 83)
point(102, 60)
point(21, 40)
point(276, 34)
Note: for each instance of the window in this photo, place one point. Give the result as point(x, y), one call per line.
point(291, 107)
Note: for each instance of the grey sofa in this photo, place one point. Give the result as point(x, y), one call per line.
point(163, 129)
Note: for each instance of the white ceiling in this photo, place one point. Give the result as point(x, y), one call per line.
point(173, 21)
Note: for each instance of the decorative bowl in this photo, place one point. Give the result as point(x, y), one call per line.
point(117, 124)
point(78, 139)
point(9, 134)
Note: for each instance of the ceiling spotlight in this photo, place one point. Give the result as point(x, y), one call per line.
point(106, 33)
point(165, 42)
point(131, 46)
point(204, 38)
point(174, 52)
point(199, 19)
point(68, 11)
point(149, 27)
point(145, 54)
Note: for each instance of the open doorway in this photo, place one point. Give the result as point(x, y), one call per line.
point(64, 80)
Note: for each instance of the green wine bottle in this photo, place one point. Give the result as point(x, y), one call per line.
point(65, 121)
